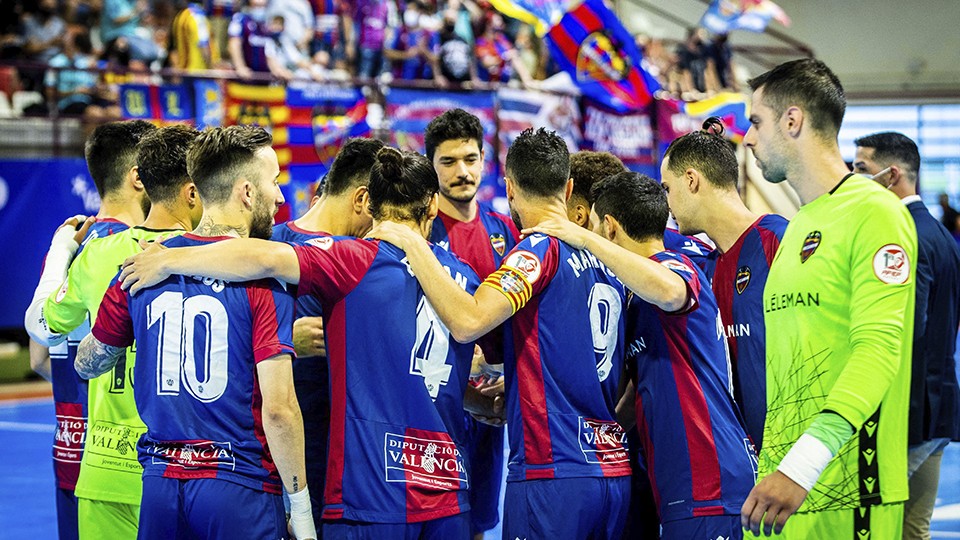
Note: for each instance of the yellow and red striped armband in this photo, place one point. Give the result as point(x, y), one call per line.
point(512, 284)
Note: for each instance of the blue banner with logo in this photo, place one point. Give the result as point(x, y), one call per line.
point(176, 104)
point(36, 196)
point(208, 96)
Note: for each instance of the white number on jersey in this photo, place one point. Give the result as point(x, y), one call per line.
point(428, 358)
point(605, 307)
point(177, 350)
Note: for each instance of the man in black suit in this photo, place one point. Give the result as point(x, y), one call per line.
point(894, 161)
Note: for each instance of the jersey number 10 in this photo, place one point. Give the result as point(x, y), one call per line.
point(177, 347)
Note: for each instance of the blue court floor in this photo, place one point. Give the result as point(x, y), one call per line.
point(27, 487)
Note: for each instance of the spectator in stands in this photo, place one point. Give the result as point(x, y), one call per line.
point(298, 21)
point(693, 60)
point(496, 55)
point(331, 18)
point(122, 18)
point(43, 32)
point(284, 58)
point(457, 63)
point(530, 51)
point(370, 20)
point(413, 48)
point(248, 40)
point(192, 46)
point(722, 56)
point(219, 13)
point(78, 92)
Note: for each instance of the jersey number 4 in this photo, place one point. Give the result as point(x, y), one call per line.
point(190, 330)
point(428, 359)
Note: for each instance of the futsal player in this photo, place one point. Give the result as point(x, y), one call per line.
point(214, 380)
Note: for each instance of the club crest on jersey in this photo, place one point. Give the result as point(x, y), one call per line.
point(526, 264)
point(324, 242)
point(810, 245)
point(743, 279)
point(498, 242)
point(891, 265)
point(600, 59)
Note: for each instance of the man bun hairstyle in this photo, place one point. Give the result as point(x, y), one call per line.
point(401, 185)
point(351, 167)
point(706, 151)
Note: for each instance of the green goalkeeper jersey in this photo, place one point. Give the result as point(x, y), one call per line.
point(109, 470)
point(838, 307)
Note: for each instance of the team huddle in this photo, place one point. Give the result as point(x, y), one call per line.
point(354, 373)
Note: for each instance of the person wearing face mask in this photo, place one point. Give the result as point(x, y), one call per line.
point(414, 49)
point(893, 160)
point(497, 56)
point(248, 40)
point(284, 58)
point(456, 55)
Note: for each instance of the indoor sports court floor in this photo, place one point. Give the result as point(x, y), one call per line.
point(26, 475)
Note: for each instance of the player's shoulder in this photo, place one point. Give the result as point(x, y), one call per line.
point(675, 261)
point(448, 258)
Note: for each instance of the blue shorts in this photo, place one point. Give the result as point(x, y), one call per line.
point(67, 514)
point(486, 464)
point(208, 509)
point(566, 508)
point(725, 527)
point(312, 384)
point(452, 527)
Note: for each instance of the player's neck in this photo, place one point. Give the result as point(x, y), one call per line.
point(460, 211)
point(644, 248)
point(420, 228)
point(538, 211)
point(162, 218)
point(216, 222)
point(128, 212)
point(727, 219)
point(817, 173)
point(327, 216)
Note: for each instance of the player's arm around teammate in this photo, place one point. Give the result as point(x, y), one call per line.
point(466, 316)
point(647, 278)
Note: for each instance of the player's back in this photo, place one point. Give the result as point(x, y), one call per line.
point(199, 341)
point(698, 456)
point(397, 382)
point(562, 385)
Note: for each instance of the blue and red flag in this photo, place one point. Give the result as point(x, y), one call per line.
point(591, 45)
point(541, 14)
point(752, 15)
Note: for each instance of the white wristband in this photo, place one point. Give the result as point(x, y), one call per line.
point(62, 249)
point(301, 515)
point(805, 461)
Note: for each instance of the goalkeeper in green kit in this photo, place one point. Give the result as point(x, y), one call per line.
point(839, 304)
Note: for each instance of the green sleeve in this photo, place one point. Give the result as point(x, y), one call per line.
point(830, 429)
point(881, 313)
point(65, 310)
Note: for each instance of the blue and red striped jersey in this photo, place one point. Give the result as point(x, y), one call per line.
point(307, 306)
point(396, 379)
point(692, 247)
point(199, 341)
point(482, 243)
point(562, 385)
point(69, 390)
point(697, 454)
point(253, 38)
point(738, 278)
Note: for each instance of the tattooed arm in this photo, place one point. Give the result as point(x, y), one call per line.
point(95, 358)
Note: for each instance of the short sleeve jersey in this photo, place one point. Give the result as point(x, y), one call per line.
point(417, 67)
point(69, 390)
point(839, 303)
point(697, 454)
point(109, 470)
point(739, 275)
point(482, 243)
point(199, 343)
point(562, 385)
point(397, 381)
point(190, 35)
